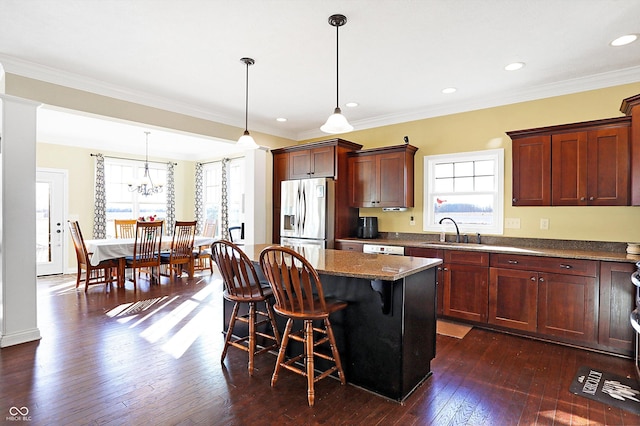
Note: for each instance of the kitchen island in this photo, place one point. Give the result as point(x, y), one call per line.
point(387, 335)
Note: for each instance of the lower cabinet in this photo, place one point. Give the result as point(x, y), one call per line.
point(523, 296)
point(466, 280)
point(348, 246)
point(617, 301)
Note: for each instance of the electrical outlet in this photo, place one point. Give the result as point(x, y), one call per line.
point(544, 224)
point(412, 222)
point(512, 222)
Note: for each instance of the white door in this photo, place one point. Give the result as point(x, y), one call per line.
point(50, 226)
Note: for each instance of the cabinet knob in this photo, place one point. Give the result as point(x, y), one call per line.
point(512, 262)
point(541, 280)
point(590, 198)
point(445, 269)
point(533, 278)
point(563, 266)
point(581, 198)
point(514, 200)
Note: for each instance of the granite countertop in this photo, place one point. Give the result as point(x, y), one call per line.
point(612, 252)
point(355, 264)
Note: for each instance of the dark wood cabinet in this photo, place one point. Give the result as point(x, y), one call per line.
point(317, 159)
point(433, 254)
point(349, 246)
point(553, 297)
point(575, 164)
point(312, 163)
point(513, 299)
point(466, 281)
point(531, 175)
point(382, 177)
point(591, 167)
point(617, 301)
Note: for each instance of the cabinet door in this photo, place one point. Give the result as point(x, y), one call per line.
point(435, 254)
point(391, 180)
point(466, 293)
point(567, 307)
point(532, 171)
point(617, 300)
point(513, 299)
point(362, 181)
point(299, 164)
point(569, 169)
point(348, 246)
point(322, 162)
point(608, 169)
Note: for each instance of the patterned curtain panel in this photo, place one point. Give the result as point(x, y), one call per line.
point(99, 201)
point(171, 201)
point(225, 201)
point(199, 204)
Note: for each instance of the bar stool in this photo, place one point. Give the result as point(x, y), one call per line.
point(243, 286)
point(298, 291)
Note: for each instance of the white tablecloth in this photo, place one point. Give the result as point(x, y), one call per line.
point(115, 248)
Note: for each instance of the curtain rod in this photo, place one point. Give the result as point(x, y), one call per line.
point(134, 159)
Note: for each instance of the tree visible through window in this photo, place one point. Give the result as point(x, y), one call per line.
point(467, 187)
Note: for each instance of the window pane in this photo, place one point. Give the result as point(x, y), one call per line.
point(443, 185)
point(485, 168)
point(484, 183)
point(465, 209)
point(443, 170)
point(464, 169)
point(464, 184)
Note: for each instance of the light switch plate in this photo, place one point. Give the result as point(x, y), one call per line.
point(512, 222)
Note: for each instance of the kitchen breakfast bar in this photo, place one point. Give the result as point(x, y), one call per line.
point(386, 336)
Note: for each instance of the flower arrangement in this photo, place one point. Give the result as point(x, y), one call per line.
point(148, 218)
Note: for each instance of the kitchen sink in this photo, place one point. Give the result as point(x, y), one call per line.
point(474, 246)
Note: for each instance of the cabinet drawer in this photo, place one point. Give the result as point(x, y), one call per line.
point(466, 257)
point(545, 264)
point(341, 245)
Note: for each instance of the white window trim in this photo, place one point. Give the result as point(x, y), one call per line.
point(429, 164)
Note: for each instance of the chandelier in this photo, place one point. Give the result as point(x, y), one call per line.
point(145, 186)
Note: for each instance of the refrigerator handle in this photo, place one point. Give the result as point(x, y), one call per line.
point(303, 216)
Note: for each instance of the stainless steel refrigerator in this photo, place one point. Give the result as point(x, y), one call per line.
point(307, 213)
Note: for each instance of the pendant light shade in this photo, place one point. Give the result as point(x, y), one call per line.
point(337, 123)
point(246, 141)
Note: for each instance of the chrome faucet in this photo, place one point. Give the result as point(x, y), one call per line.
point(455, 224)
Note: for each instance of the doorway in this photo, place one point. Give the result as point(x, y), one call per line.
point(51, 195)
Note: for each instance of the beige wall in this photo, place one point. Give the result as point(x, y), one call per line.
point(485, 129)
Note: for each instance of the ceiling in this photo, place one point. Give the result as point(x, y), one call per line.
point(396, 56)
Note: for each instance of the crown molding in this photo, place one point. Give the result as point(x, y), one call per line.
point(567, 87)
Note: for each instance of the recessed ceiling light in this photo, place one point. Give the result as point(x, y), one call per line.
point(449, 90)
point(514, 66)
point(625, 39)
point(281, 119)
point(351, 104)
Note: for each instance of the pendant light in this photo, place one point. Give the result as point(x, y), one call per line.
point(337, 123)
point(246, 141)
point(146, 187)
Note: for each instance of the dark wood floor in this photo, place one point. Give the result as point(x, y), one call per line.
point(153, 356)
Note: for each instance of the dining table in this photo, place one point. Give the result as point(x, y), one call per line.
point(120, 248)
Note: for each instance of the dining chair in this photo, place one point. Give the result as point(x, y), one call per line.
point(102, 273)
point(181, 252)
point(242, 286)
point(125, 228)
point(237, 231)
point(146, 249)
point(298, 292)
point(202, 256)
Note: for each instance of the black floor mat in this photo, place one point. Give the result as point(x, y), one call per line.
point(607, 388)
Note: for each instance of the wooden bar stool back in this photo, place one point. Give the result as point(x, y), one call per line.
point(241, 285)
point(299, 296)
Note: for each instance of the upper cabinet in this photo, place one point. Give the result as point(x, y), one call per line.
point(581, 164)
point(312, 163)
point(382, 177)
point(316, 160)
